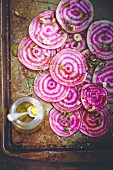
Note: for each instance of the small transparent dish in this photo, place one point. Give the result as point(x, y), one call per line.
point(27, 124)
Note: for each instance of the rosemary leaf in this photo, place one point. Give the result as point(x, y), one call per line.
point(30, 85)
point(32, 76)
point(66, 130)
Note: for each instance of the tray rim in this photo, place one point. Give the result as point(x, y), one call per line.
point(75, 156)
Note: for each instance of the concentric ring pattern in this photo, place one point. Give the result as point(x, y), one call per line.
point(100, 39)
point(74, 16)
point(33, 56)
point(47, 34)
point(49, 90)
point(68, 67)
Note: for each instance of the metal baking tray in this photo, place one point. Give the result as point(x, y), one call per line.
point(43, 144)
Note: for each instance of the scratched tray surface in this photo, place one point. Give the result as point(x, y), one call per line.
point(21, 14)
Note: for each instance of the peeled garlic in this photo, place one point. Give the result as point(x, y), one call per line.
point(104, 84)
point(77, 37)
point(91, 108)
point(111, 46)
point(54, 20)
point(46, 54)
point(78, 102)
point(72, 27)
point(62, 67)
point(42, 20)
point(46, 41)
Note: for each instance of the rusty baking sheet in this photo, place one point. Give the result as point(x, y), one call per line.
point(43, 144)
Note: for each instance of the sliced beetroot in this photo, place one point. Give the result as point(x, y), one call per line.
point(95, 124)
point(100, 39)
point(93, 97)
point(75, 15)
point(33, 56)
point(45, 31)
point(71, 102)
point(49, 90)
point(103, 75)
point(64, 125)
point(72, 42)
point(68, 67)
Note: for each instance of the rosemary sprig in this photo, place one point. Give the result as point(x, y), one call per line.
point(104, 46)
point(30, 85)
point(66, 130)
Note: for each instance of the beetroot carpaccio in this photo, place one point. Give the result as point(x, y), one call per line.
point(96, 124)
point(68, 67)
point(93, 97)
point(74, 15)
point(73, 57)
point(100, 39)
point(46, 32)
point(33, 56)
point(64, 125)
point(103, 75)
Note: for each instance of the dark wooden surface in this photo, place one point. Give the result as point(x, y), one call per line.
point(10, 163)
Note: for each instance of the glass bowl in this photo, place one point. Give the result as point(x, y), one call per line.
point(34, 123)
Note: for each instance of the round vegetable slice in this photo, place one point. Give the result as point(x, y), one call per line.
point(33, 56)
point(45, 31)
point(93, 97)
point(100, 39)
point(76, 41)
point(68, 67)
point(49, 90)
point(95, 124)
point(75, 15)
point(103, 75)
point(71, 102)
point(64, 125)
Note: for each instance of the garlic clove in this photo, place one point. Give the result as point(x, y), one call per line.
point(77, 37)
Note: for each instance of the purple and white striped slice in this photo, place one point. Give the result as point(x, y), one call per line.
point(75, 15)
point(49, 90)
point(93, 97)
point(103, 75)
point(71, 43)
point(95, 124)
point(100, 39)
point(64, 125)
point(71, 103)
point(47, 34)
point(33, 56)
point(68, 67)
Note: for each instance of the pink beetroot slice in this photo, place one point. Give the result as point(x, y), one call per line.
point(64, 125)
point(33, 56)
point(93, 97)
point(46, 32)
point(74, 15)
point(100, 39)
point(103, 75)
point(95, 124)
point(49, 90)
point(79, 45)
point(71, 102)
point(68, 67)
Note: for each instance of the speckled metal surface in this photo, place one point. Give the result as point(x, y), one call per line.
point(43, 144)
